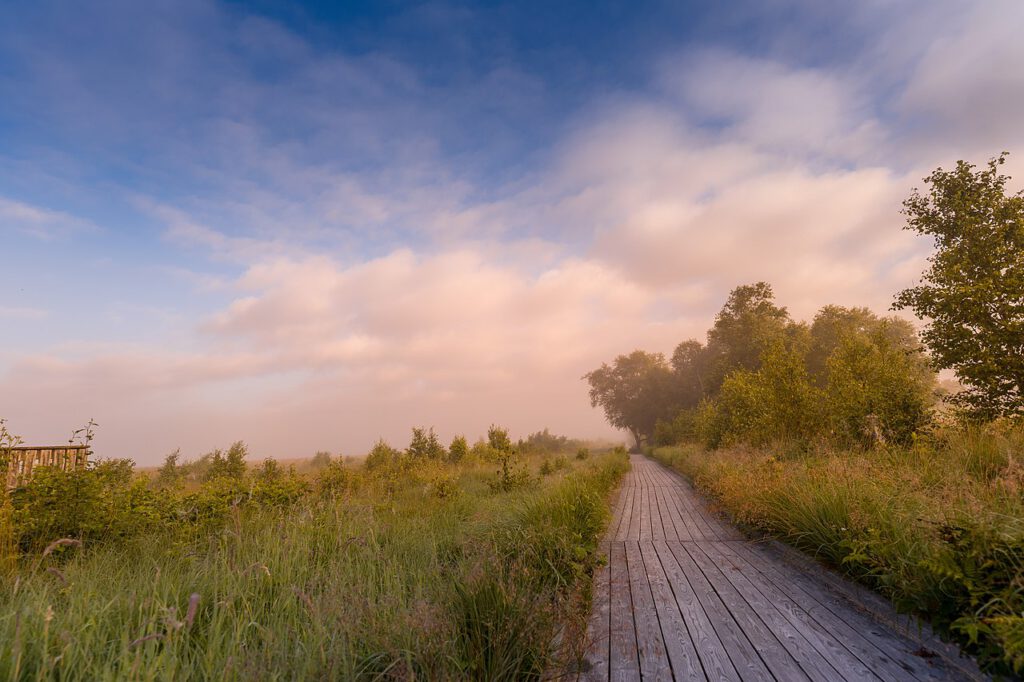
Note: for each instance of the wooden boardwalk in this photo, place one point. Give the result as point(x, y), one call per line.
point(684, 596)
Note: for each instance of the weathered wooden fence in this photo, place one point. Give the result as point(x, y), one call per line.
point(24, 459)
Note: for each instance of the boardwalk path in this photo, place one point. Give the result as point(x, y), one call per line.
point(685, 597)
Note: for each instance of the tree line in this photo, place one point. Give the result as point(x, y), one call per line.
point(850, 376)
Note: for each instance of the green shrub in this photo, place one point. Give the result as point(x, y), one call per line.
point(230, 464)
point(321, 459)
point(103, 502)
point(498, 439)
point(682, 428)
point(875, 391)
point(171, 473)
point(776, 403)
point(335, 479)
point(444, 487)
point(274, 487)
point(425, 445)
point(458, 450)
point(512, 475)
point(381, 456)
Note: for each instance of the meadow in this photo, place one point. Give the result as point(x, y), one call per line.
point(936, 525)
point(469, 563)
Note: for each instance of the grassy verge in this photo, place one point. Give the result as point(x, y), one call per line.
point(937, 527)
point(425, 571)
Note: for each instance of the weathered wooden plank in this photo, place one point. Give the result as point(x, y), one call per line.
point(658, 531)
point(654, 663)
point(669, 518)
point(710, 528)
point(678, 524)
point(772, 646)
point(596, 668)
point(859, 632)
point(840, 664)
point(646, 525)
point(623, 659)
point(693, 529)
point(738, 647)
point(868, 662)
point(616, 520)
point(633, 532)
point(682, 654)
point(627, 510)
point(693, 504)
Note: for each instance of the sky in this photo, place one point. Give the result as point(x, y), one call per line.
point(314, 226)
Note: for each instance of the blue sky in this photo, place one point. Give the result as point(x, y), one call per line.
point(311, 226)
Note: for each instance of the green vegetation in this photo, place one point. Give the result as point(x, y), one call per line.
point(849, 377)
point(831, 435)
point(973, 292)
point(410, 565)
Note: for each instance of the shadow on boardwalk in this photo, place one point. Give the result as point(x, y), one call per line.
point(684, 596)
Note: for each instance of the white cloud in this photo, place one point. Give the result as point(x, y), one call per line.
point(968, 84)
point(453, 339)
point(38, 222)
point(796, 111)
point(21, 313)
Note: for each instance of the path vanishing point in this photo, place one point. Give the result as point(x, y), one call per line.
point(685, 596)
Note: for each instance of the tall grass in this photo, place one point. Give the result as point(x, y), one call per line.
point(938, 527)
point(8, 548)
point(425, 573)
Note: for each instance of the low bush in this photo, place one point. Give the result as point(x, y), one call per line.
point(513, 474)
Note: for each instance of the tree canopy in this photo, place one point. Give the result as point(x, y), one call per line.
point(972, 294)
point(635, 391)
point(747, 324)
point(849, 376)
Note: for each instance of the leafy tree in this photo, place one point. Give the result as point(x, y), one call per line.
point(972, 294)
point(831, 324)
point(230, 464)
point(690, 366)
point(269, 472)
point(382, 455)
point(458, 450)
point(498, 439)
point(682, 428)
point(635, 392)
point(321, 459)
point(778, 402)
point(171, 472)
point(425, 445)
point(876, 391)
point(744, 328)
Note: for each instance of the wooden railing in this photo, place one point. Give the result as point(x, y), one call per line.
point(24, 459)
